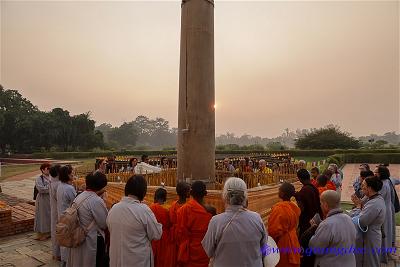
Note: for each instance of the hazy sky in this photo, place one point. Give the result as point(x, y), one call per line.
point(277, 64)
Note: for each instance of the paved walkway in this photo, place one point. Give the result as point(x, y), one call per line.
point(23, 251)
point(21, 189)
point(23, 176)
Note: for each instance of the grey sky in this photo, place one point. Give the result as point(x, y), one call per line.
point(278, 64)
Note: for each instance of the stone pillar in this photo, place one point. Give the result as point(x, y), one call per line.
point(196, 114)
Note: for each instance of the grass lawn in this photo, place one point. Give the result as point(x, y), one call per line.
point(85, 165)
point(346, 206)
point(11, 170)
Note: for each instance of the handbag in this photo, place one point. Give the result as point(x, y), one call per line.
point(271, 259)
point(396, 199)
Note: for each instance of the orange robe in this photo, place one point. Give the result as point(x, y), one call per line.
point(193, 220)
point(322, 189)
point(314, 182)
point(331, 186)
point(162, 247)
point(174, 235)
point(282, 227)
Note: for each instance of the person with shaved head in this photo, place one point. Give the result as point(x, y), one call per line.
point(183, 191)
point(192, 222)
point(308, 200)
point(333, 234)
point(162, 249)
point(282, 226)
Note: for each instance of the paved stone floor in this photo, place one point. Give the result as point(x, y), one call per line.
point(23, 251)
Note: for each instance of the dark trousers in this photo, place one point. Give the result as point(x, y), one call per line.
point(102, 257)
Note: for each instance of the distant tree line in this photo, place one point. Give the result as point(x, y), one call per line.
point(328, 137)
point(140, 133)
point(24, 128)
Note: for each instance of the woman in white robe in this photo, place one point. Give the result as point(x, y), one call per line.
point(389, 226)
point(54, 182)
point(92, 216)
point(65, 196)
point(369, 223)
point(132, 227)
point(42, 204)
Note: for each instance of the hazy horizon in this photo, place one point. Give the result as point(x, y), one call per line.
point(278, 65)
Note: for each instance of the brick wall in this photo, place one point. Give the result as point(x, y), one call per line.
point(17, 219)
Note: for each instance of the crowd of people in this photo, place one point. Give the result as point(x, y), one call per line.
point(234, 166)
point(309, 226)
point(329, 236)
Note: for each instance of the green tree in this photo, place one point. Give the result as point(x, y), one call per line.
point(275, 146)
point(329, 137)
point(125, 135)
point(15, 110)
point(24, 128)
point(105, 129)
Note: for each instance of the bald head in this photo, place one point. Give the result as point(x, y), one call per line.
point(331, 199)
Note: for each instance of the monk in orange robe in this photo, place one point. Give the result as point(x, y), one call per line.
point(328, 173)
point(314, 173)
point(323, 183)
point(162, 247)
point(282, 227)
point(330, 185)
point(183, 191)
point(193, 219)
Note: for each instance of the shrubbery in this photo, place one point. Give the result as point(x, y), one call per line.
point(354, 155)
point(340, 159)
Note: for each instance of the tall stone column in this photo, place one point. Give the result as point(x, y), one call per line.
point(196, 115)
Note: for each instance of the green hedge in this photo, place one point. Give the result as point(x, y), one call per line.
point(340, 159)
point(82, 155)
point(293, 153)
point(310, 153)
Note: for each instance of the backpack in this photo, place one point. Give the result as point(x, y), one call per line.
point(69, 232)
